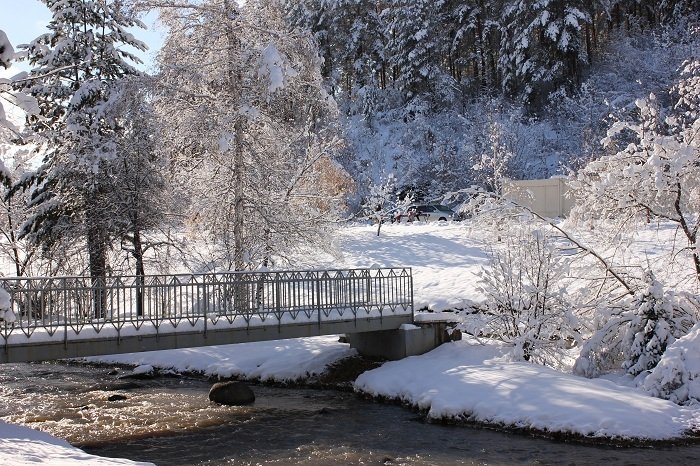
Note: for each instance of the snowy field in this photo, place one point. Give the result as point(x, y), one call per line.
point(472, 379)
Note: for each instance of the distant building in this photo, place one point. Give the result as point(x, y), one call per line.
point(545, 197)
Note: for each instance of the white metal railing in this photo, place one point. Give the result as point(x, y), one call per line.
point(79, 307)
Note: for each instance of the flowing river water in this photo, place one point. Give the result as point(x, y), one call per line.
point(170, 421)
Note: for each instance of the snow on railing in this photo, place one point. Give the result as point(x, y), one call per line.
point(44, 309)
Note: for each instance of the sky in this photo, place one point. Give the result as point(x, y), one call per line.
point(24, 20)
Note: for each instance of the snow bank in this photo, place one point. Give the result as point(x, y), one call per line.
point(23, 446)
point(278, 361)
point(467, 380)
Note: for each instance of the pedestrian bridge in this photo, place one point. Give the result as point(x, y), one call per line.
point(66, 317)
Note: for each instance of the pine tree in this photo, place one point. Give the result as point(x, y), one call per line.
point(76, 68)
point(474, 39)
point(351, 36)
point(417, 45)
point(651, 329)
point(542, 47)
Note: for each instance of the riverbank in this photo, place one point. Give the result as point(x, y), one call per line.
point(469, 380)
point(20, 446)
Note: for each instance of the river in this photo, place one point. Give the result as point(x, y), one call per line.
point(169, 421)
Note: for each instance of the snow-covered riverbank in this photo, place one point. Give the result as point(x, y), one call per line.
point(465, 380)
point(21, 446)
point(469, 379)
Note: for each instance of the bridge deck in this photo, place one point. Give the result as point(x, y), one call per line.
point(53, 318)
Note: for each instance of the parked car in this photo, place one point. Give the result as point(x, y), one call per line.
point(427, 213)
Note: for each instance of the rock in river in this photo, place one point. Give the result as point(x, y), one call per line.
point(231, 393)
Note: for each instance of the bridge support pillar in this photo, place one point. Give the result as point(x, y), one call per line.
point(407, 340)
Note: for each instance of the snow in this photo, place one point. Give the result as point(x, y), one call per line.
point(6, 312)
point(445, 259)
point(5, 300)
point(143, 369)
point(474, 381)
point(273, 67)
point(22, 446)
point(470, 379)
point(275, 361)
point(7, 53)
point(677, 375)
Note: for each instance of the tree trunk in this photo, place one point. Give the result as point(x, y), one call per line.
point(234, 84)
point(238, 199)
point(97, 252)
point(140, 270)
point(589, 48)
point(13, 240)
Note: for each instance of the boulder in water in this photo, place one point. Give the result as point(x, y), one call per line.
point(231, 393)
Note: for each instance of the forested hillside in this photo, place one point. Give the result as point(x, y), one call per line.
point(269, 121)
point(432, 92)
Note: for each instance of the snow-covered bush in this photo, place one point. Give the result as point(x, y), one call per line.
point(602, 352)
point(637, 331)
point(677, 375)
point(651, 329)
point(526, 300)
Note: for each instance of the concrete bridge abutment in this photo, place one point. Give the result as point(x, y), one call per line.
point(425, 334)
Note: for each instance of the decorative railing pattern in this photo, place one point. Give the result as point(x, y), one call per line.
point(78, 307)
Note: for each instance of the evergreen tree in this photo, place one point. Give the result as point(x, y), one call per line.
point(542, 47)
point(417, 45)
point(651, 329)
point(351, 36)
point(474, 39)
point(76, 69)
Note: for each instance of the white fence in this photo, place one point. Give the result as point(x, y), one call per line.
point(547, 198)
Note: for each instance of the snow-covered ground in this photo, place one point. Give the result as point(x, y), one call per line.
point(268, 361)
point(21, 446)
point(469, 379)
point(444, 257)
point(472, 381)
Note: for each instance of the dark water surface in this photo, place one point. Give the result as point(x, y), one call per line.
point(169, 421)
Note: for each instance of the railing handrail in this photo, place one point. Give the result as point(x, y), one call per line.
point(52, 303)
point(199, 274)
point(75, 316)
